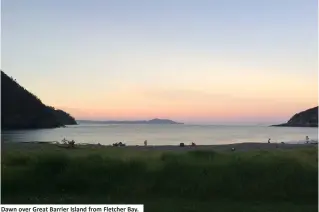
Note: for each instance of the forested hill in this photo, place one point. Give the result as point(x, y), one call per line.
point(21, 109)
point(307, 118)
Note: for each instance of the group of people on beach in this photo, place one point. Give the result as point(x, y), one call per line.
point(307, 140)
point(72, 143)
point(193, 144)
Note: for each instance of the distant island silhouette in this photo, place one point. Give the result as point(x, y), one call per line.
point(152, 121)
point(307, 118)
point(21, 109)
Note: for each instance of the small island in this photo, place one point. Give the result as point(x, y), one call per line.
point(152, 121)
point(307, 118)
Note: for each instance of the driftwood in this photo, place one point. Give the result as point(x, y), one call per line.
point(119, 144)
point(69, 144)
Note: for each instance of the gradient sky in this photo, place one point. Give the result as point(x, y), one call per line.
point(193, 61)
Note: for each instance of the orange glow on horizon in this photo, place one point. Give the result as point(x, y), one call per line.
point(218, 113)
point(223, 98)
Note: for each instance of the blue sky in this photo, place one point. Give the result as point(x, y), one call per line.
point(111, 59)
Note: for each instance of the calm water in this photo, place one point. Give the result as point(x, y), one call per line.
point(163, 134)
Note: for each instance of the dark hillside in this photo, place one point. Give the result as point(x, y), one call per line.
point(64, 117)
point(307, 118)
point(20, 109)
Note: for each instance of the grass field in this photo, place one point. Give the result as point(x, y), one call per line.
point(277, 180)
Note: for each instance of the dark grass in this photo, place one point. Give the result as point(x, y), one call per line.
point(171, 205)
point(251, 180)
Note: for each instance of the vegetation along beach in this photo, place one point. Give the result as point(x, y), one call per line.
point(195, 179)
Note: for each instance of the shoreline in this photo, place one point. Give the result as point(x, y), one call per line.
point(242, 147)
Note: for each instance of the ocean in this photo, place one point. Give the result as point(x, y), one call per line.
point(155, 134)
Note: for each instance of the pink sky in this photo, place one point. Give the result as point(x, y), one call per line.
point(233, 101)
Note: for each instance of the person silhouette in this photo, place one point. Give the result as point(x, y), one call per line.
point(145, 143)
point(269, 141)
point(307, 139)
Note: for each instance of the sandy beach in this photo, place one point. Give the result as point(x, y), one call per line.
point(223, 147)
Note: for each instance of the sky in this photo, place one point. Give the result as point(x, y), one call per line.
point(193, 61)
